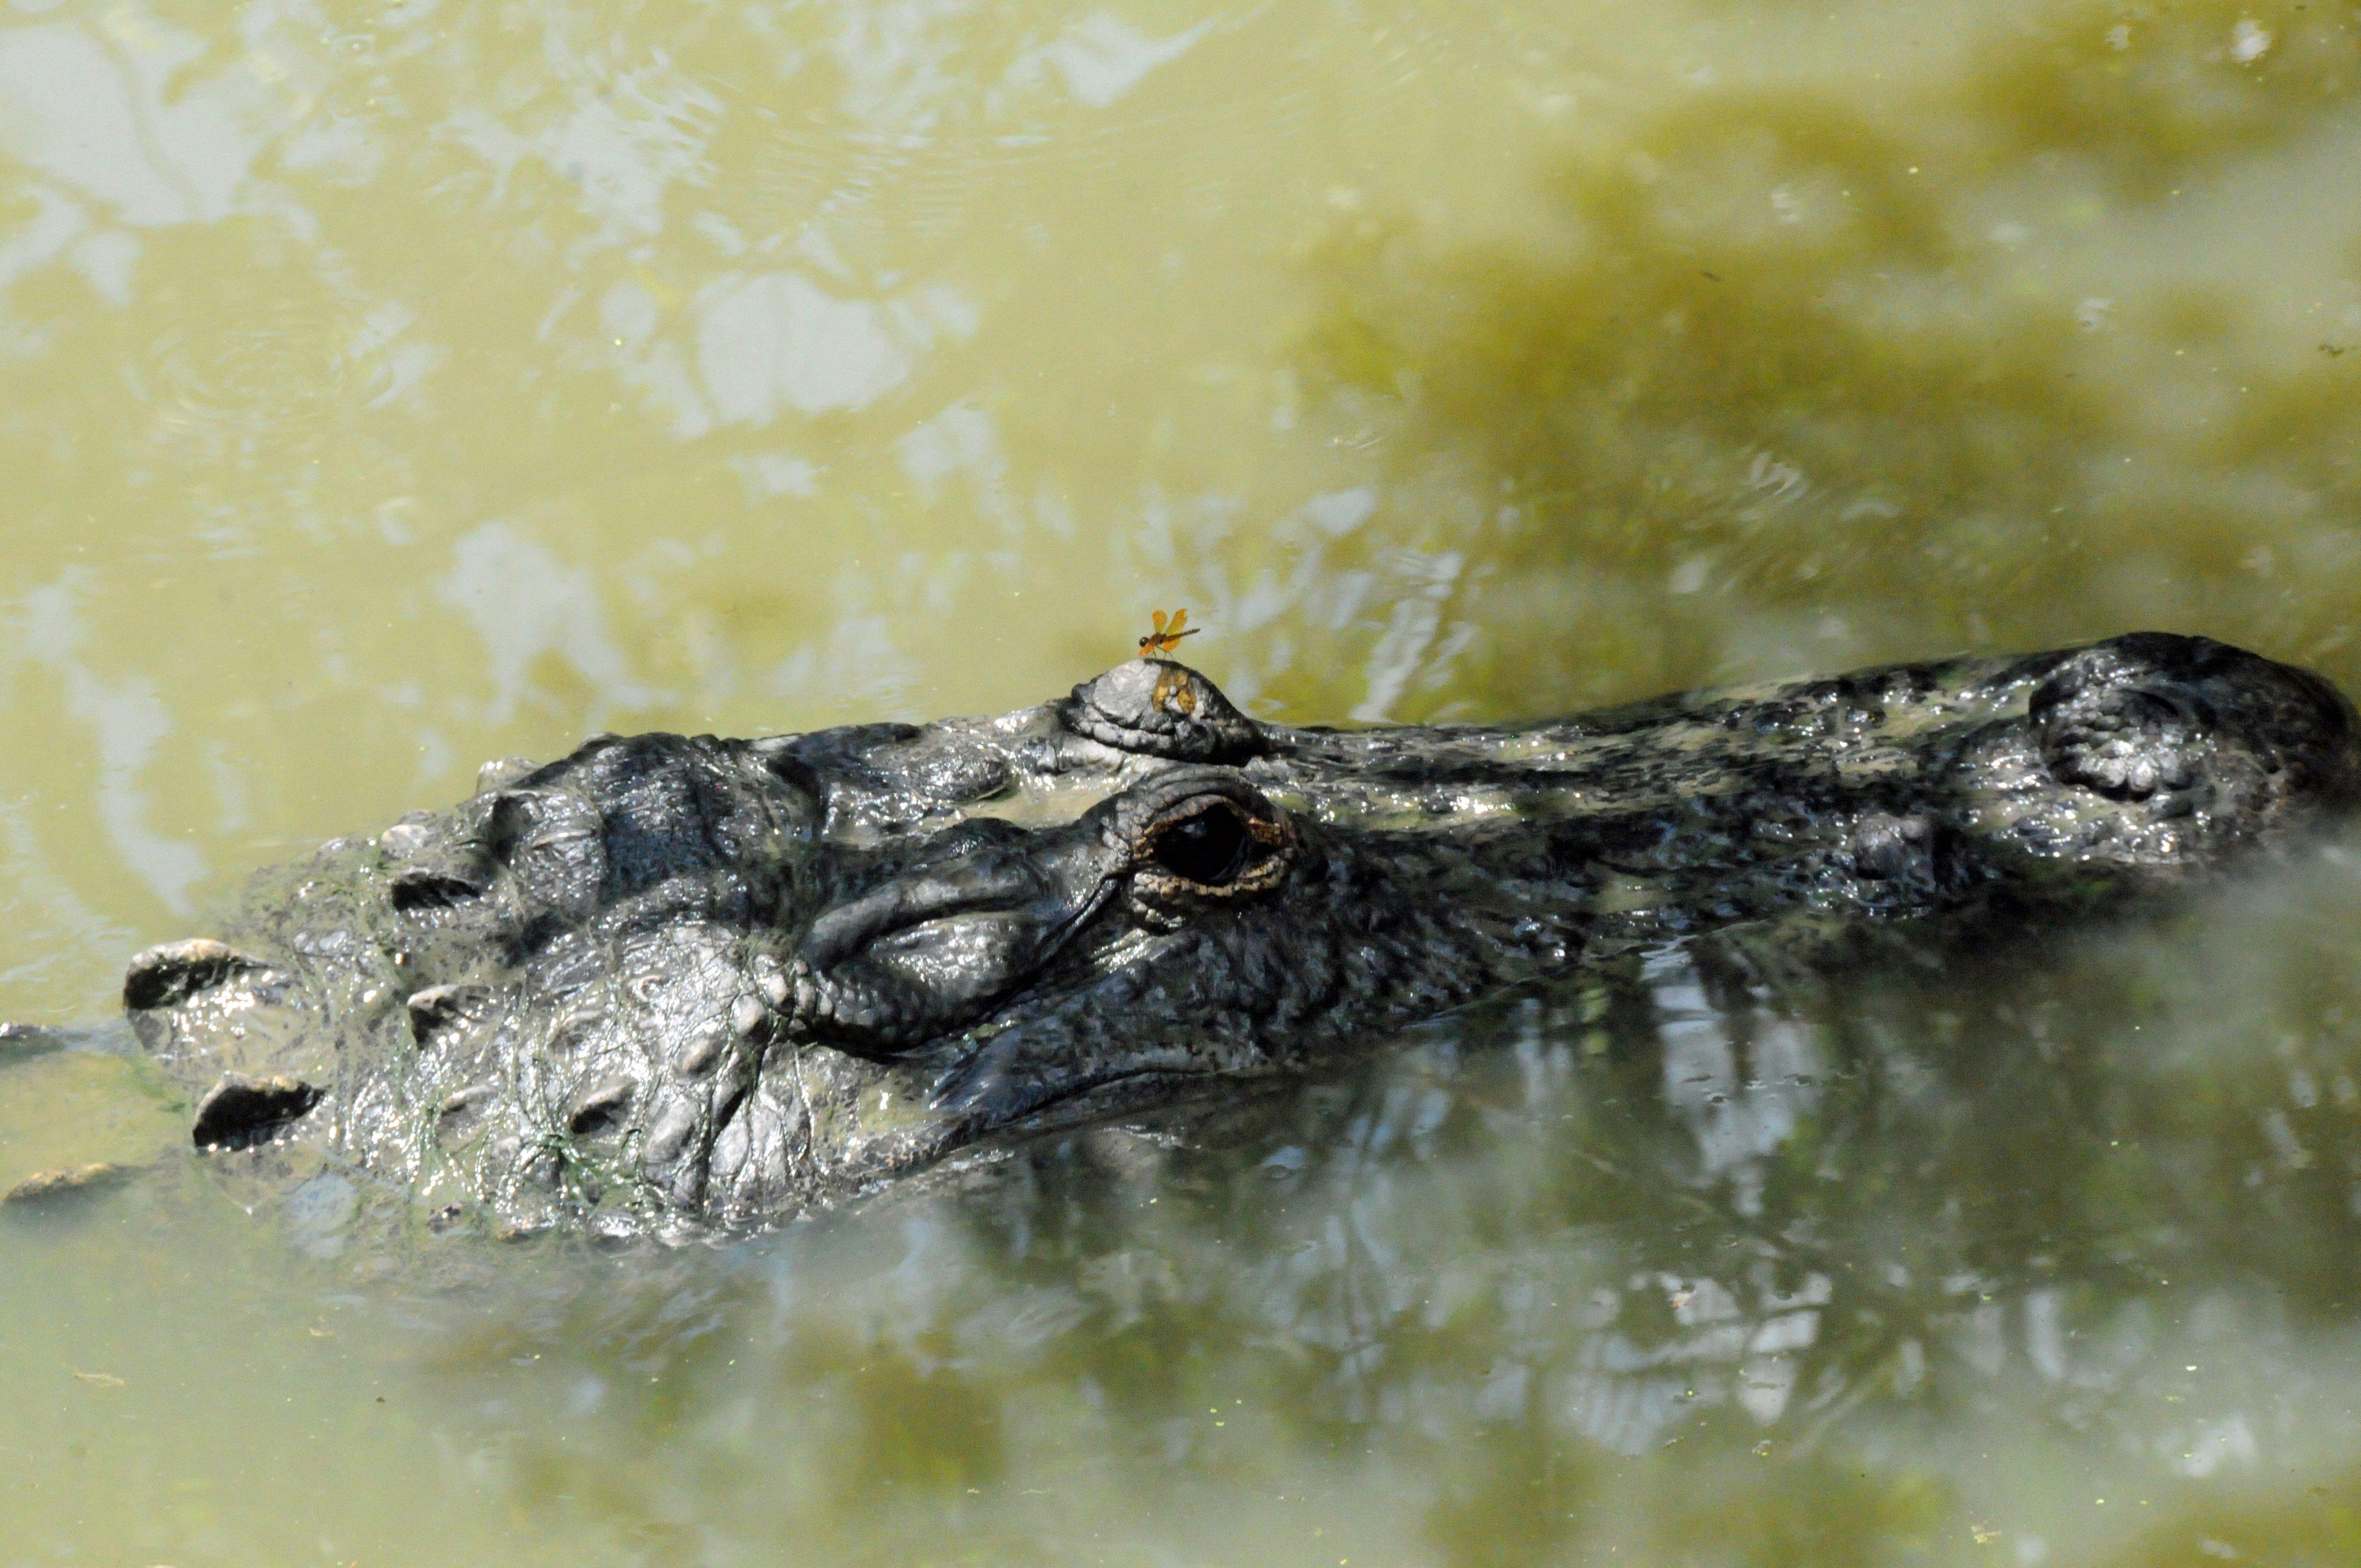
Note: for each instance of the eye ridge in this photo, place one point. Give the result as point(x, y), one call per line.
point(1209, 846)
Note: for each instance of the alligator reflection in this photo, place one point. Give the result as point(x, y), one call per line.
point(1707, 1210)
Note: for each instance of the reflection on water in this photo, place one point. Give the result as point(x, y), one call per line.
point(386, 385)
point(1779, 386)
point(2042, 1250)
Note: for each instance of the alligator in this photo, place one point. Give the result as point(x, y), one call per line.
point(683, 985)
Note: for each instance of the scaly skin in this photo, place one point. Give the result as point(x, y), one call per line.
point(666, 983)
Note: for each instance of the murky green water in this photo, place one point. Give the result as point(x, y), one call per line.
point(388, 386)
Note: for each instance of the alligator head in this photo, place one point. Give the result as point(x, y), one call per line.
point(675, 982)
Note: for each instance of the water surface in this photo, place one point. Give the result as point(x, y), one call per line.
point(386, 387)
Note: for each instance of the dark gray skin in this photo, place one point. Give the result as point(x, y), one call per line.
point(671, 984)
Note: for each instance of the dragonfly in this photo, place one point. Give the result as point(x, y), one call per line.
point(1167, 634)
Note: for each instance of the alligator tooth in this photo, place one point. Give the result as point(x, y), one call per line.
point(239, 1111)
point(176, 971)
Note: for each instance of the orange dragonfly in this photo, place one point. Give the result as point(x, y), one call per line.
point(1167, 635)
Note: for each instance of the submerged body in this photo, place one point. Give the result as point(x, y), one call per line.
point(670, 982)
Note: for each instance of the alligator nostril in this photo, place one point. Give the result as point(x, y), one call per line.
point(1884, 847)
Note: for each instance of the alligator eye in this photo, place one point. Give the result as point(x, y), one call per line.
point(1197, 848)
point(1209, 847)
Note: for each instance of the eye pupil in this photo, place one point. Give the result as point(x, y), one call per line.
point(1208, 849)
